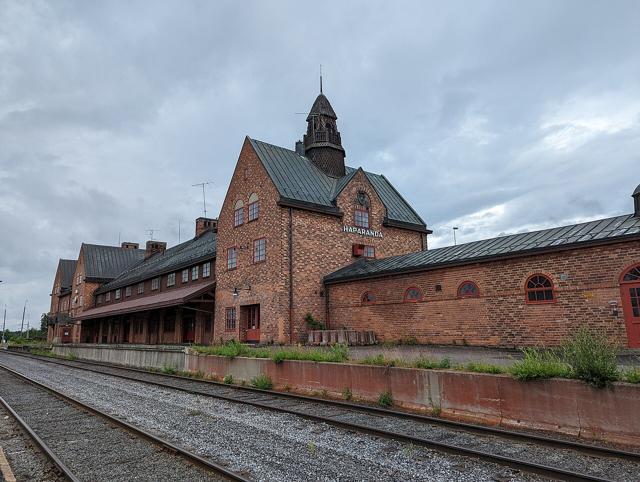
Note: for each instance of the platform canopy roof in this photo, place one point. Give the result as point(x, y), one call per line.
point(300, 182)
point(608, 230)
point(164, 299)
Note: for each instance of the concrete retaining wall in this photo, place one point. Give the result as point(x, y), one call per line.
point(130, 355)
point(567, 406)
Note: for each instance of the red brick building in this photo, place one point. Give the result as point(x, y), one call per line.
point(302, 235)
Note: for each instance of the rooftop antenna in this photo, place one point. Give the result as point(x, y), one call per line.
point(455, 228)
point(119, 232)
point(321, 78)
point(204, 201)
point(150, 233)
point(178, 230)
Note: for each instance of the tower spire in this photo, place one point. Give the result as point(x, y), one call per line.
point(321, 78)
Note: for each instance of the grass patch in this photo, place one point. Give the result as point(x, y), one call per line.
point(228, 380)
point(631, 376)
point(385, 399)
point(335, 354)
point(39, 352)
point(429, 364)
point(262, 381)
point(481, 367)
point(169, 370)
point(538, 363)
point(591, 358)
point(346, 393)
point(232, 349)
point(378, 360)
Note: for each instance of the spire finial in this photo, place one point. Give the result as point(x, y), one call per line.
point(321, 78)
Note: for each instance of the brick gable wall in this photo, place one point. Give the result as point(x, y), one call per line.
point(586, 280)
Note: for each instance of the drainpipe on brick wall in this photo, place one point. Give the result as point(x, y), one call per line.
point(290, 275)
point(326, 306)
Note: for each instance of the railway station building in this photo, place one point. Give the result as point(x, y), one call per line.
point(301, 235)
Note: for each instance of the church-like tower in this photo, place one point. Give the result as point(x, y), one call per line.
point(322, 143)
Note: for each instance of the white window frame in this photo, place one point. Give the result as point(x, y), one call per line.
point(117, 294)
point(185, 275)
point(171, 279)
point(155, 284)
point(141, 287)
point(206, 269)
point(127, 291)
point(107, 296)
point(195, 271)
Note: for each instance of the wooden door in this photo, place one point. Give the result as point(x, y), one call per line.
point(253, 323)
point(630, 291)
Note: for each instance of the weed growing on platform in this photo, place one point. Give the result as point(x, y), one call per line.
point(379, 360)
point(263, 382)
point(47, 353)
point(169, 370)
point(336, 354)
point(228, 379)
point(385, 399)
point(591, 358)
point(346, 393)
point(631, 376)
point(429, 364)
point(539, 363)
point(480, 367)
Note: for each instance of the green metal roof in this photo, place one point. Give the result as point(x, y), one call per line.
point(299, 180)
point(594, 232)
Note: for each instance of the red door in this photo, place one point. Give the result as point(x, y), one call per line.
point(630, 287)
point(253, 323)
point(188, 330)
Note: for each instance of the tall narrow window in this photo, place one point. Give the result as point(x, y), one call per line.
point(107, 297)
point(155, 283)
point(259, 250)
point(127, 291)
point(361, 213)
point(118, 294)
point(230, 319)
point(238, 213)
point(195, 271)
point(369, 252)
point(253, 208)
point(232, 258)
point(539, 289)
point(171, 279)
point(185, 275)
point(206, 270)
point(141, 288)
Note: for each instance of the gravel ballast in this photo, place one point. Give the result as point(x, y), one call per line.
point(265, 445)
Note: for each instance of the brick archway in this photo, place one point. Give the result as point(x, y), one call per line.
point(630, 293)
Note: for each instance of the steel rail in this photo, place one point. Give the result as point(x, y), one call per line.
point(467, 427)
point(42, 446)
point(518, 464)
point(170, 447)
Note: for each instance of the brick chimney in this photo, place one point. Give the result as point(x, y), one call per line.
point(206, 224)
point(129, 245)
point(154, 247)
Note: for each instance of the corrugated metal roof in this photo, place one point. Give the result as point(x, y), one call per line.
point(619, 227)
point(67, 268)
point(107, 262)
point(297, 178)
point(184, 254)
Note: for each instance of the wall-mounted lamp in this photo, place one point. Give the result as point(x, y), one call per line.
point(235, 291)
point(614, 307)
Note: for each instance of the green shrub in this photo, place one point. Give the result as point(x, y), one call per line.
point(632, 375)
point(481, 367)
point(228, 379)
point(385, 399)
point(591, 357)
point(346, 393)
point(539, 363)
point(262, 381)
point(378, 360)
point(169, 370)
point(336, 353)
point(232, 349)
point(429, 364)
point(312, 323)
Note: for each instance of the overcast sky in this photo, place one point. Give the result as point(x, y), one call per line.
point(496, 117)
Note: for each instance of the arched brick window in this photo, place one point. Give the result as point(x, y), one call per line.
point(412, 295)
point(367, 298)
point(238, 213)
point(539, 289)
point(468, 289)
point(361, 213)
point(253, 208)
point(632, 275)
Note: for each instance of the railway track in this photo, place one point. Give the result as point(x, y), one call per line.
point(86, 444)
point(549, 457)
